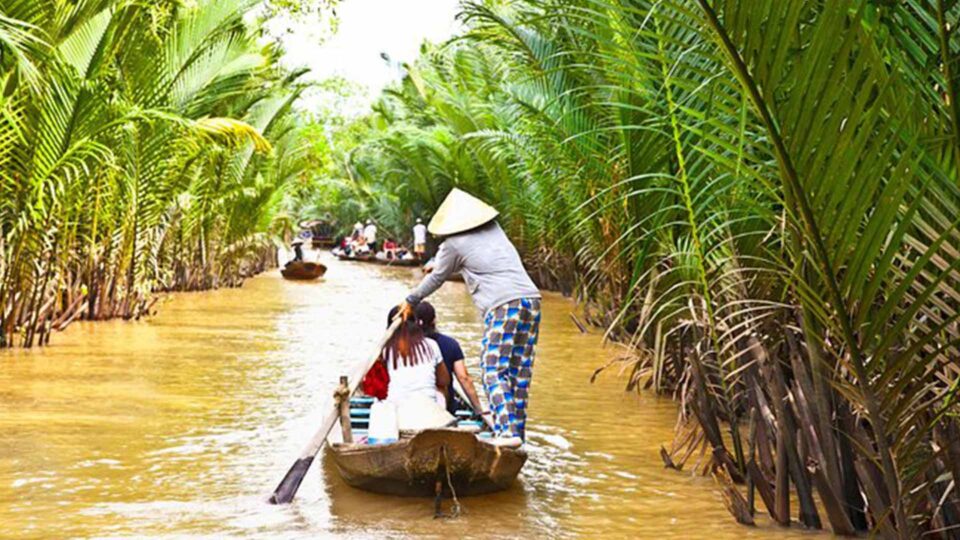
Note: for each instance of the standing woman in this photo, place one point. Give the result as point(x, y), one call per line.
point(476, 246)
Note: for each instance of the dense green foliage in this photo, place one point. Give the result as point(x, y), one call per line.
point(145, 145)
point(760, 197)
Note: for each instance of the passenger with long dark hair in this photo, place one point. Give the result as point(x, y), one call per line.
point(417, 376)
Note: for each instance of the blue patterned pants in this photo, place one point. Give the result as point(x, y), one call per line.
point(509, 339)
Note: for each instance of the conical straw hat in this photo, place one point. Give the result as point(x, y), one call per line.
point(460, 212)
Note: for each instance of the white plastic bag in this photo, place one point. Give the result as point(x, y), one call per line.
point(383, 423)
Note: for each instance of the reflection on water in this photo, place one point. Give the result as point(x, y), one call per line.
point(181, 425)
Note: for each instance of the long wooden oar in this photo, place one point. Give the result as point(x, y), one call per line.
point(291, 482)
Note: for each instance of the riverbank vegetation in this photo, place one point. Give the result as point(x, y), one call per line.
point(144, 146)
point(759, 198)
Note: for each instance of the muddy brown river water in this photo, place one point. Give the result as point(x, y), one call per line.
point(181, 425)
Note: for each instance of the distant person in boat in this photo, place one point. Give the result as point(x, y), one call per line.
point(420, 239)
point(476, 246)
point(357, 231)
point(297, 249)
point(389, 249)
point(359, 247)
point(418, 377)
point(452, 358)
point(370, 235)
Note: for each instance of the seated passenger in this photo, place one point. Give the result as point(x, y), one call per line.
point(418, 378)
point(360, 247)
point(452, 358)
point(390, 249)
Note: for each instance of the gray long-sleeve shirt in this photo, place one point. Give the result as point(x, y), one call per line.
point(490, 265)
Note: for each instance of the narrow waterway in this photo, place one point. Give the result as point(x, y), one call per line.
point(181, 425)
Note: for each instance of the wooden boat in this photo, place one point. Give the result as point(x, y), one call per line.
point(302, 270)
point(412, 465)
point(322, 232)
point(355, 258)
point(374, 260)
point(398, 262)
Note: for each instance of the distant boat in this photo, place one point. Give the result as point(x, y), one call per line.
point(370, 258)
point(398, 262)
point(301, 270)
point(322, 232)
point(358, 258)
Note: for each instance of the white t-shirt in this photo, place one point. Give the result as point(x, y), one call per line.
point(419, 379)
point(370, 233)
point(419, 233)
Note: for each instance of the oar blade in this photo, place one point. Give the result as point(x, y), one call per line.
point(288, 487)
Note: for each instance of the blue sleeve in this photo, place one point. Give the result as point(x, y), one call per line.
point(455, 351)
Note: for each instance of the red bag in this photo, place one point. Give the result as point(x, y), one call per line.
point(377, 381)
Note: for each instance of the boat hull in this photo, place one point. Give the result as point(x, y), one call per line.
point(383, 262)
point(353, 258)
point(398, 262)
point(412, 466)
point(298, 270)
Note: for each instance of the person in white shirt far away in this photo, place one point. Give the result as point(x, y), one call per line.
point(370, 234)
point(420, 239)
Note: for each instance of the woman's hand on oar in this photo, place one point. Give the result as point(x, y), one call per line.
point(407, 311)
point(288, 487)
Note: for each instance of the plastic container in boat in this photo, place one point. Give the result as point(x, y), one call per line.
point(383, 423)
